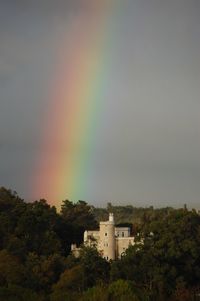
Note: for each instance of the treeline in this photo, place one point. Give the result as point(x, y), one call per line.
point(130, 214)
point(36, 264)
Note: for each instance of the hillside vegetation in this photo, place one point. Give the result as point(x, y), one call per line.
point(36, 264)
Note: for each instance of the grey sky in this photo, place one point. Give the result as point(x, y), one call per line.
point(148, 146)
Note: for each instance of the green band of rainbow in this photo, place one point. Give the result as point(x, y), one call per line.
point(76, 103)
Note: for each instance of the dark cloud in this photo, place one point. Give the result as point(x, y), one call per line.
point(148, 145)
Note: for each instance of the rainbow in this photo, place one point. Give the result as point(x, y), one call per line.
point(76, 103)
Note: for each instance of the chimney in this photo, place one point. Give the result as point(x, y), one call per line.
point(111, 217)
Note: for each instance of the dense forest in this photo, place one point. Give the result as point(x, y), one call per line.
point(36, 263)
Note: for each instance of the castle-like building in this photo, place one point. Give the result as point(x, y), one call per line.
point(111, 241)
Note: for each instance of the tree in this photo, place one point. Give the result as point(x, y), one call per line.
point(11, 270)
point(18, 293)
point(36, 227)
point(170, 251)
point(95, 268)
point(42, 272)
point(70, 282)
point(78, 215)
point(96, 293)
point(11, 208)
point(122, 290)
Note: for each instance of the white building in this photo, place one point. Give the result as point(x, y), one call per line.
point(110, 241)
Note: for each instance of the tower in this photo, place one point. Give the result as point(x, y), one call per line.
point(107, 238)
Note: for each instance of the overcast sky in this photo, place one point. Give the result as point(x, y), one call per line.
point(149, 142)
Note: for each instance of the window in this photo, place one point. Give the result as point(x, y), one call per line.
point(122, 234)
point(106, 234)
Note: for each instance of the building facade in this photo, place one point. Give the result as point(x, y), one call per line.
point(110, 241)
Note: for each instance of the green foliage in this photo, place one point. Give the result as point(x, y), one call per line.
point(96, 293)
point(11, 208)
point(119, 290)
point(69, 284)
point(122, 290)
point(132, 215)
point(18, 293)
point(163, 265)
point(36, 227)
point(11, 270)
point(95, 268)
point(79, 213)
point(43, 272)
point(70, 280)
point(80, 216)
point(169, 252)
